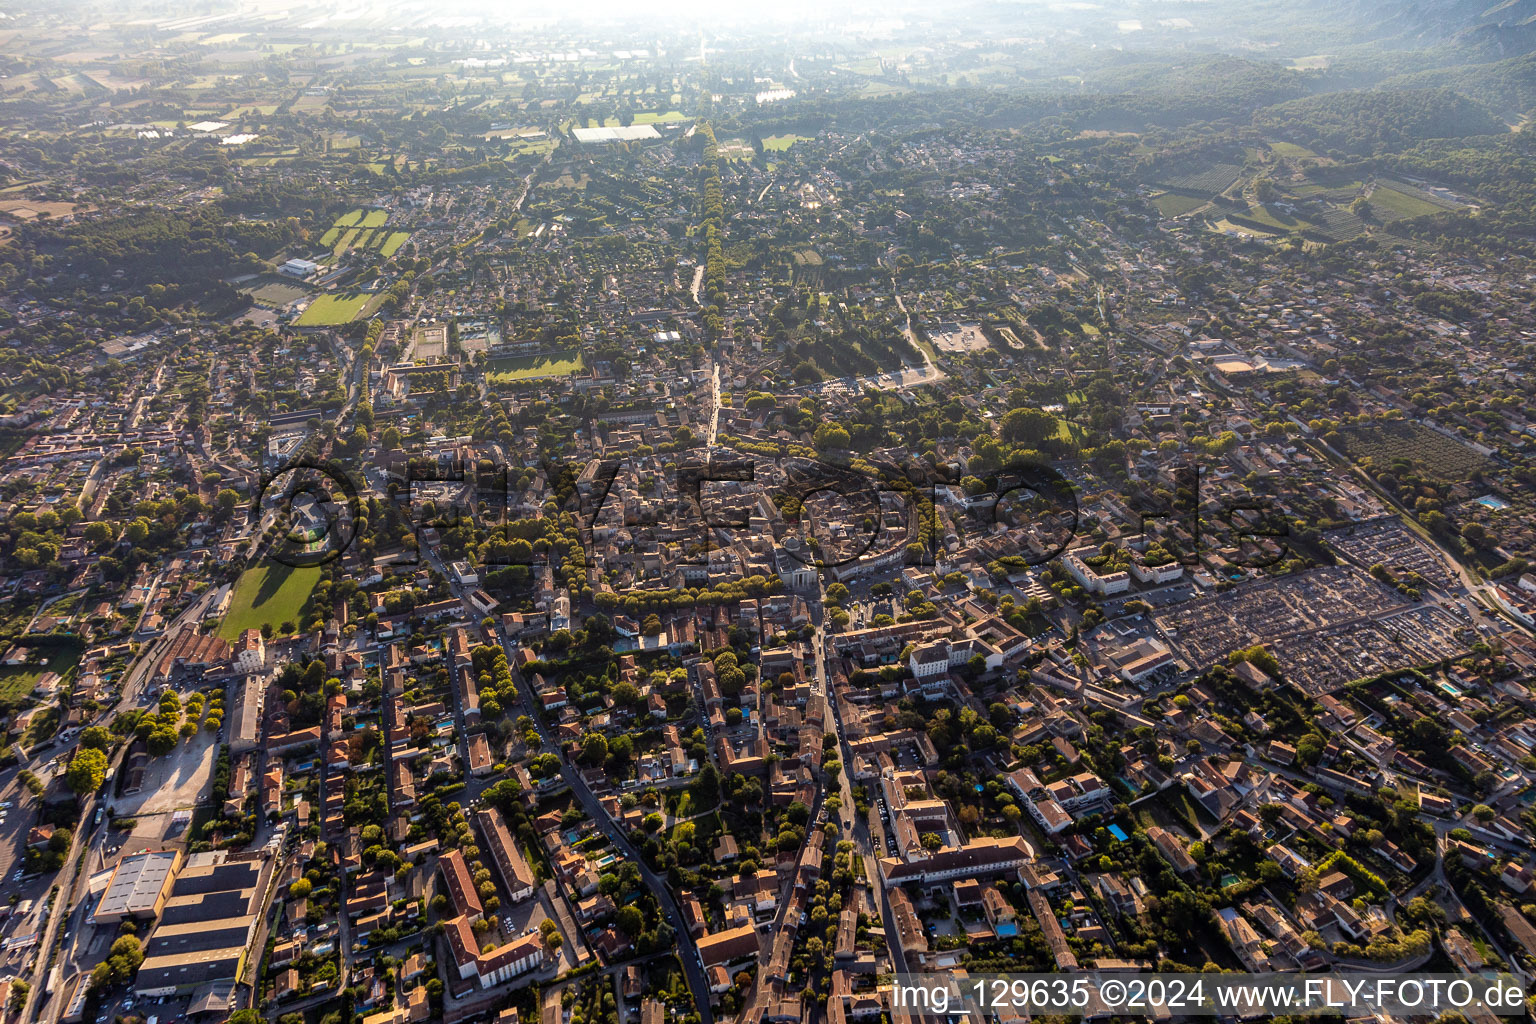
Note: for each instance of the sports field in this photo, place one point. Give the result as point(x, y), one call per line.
point(779, 143)
point(332, 310)
point(362, 230)
point(393, 242)
point(268, 594)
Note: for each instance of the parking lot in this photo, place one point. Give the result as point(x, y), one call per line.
point(174, 782)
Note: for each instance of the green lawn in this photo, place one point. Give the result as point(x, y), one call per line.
point(1066, 430)
point(395, 240)
point(533, 147)
point(16, 681)
point(43, 726)
point(345, 241)
point(349, 229)
point(529, 367)
point(269, 593)
point(778, 143)
point(331, 310)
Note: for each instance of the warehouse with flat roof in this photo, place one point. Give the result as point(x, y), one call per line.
point(139, 887)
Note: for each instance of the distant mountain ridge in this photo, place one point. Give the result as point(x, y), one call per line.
point(1506, 86)
point(1488, 29)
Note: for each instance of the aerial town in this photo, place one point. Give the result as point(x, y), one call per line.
point(647, 520)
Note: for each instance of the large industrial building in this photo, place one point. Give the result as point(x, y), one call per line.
point(206, 925)
point(139, 887)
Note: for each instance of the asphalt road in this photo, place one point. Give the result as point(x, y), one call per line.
point(693, 969)
point(855, 823)
point(71, 889)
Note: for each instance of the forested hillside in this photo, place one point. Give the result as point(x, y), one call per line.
point(1507, 87)
point(1366, 123)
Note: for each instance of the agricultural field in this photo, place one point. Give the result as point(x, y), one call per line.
point(269, 594)
point(649, 117)
point(864, 66)
point(272, 160)
point(549, 364)
point(1171, 204)
point(1330, 193)
point(1394, 200)
point(334, 309)
point(1388, 205)
point(1340, 223)
point(1213, 181)
point(1386, 441)
point(1274, 217)
point(32, 209)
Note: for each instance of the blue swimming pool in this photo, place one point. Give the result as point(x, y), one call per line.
point(1118, 833)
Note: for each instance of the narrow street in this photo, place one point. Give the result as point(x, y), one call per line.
point(688, 952)
point(854, 824)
